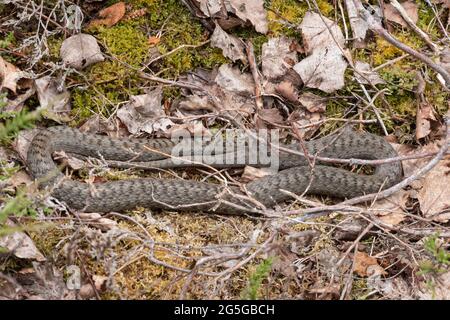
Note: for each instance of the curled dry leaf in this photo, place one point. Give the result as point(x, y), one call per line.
point(252, 173)
point(10, 75)
point(277, 57)
point(365, 265)
point(87, 291)
point(359, 26)
point(145, 113)
point(97, 221)
point(433, 192)
point(20, 244)
point(287, 90)
point(312, 102)
point(210, 7)
point(253, 11)
point(364, 74)
point(232, 47)
point(110, 16)
point(392, 14)
point(53, 97)
point(268, 117)
point(434, 196)
point(424, 118)
point(80, 51)
point(325, 66)
point(231, 79)
point(72, 162)
point(195, 102)
point(391, 209)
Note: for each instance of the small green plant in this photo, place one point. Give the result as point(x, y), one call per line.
point(14, 121)
point(441, 256)
point(256, 278)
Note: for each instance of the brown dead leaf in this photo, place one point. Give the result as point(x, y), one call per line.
point(306, 122)
point(97, 221)
point(153, 40)
point(424, 117)
point(434, 196)
point(365, 265)
point(110, 15)
point(252, 173)
point(251, 10)
point(231, 79)
point(268, 117)
point(80, 51)
point(232, 47)
point(391, 209)
point(277, 57)
point(312, 102)
point(88, 291)
point(20, 244)
point(287, 90)
point(325, 66)
point(10, 75)
point(364, 74)
point(72, 162)
point(19, 178)
point(145, 113)
point(392, 14)
point(54, 98)
point(195, 102)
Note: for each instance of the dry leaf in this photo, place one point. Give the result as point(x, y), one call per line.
point(252, 173)
point(19, 244)
point(145, 113)
point(195, 102)
point(363, 262)
point(391, 14)
point(22, 142)
point(359, 26)
point(325, 66)
point(72, 162)
point(433, 192)
point(440, 289)
point(391, 209)
point(231, 79)
point(10, 75)
point(268, 117)
point(110, 16)
point(253, 11)
point(153, 40)
point(53, 97)
point(19, 178)
point(210, 7)
point(306, 122)
point(434, 196)
point(424, 117)
point(312, 102)
point(97, 221)
point(80, 51)
point(287, 90)
point(277, 57)
point(232, 47)
point(364, 74)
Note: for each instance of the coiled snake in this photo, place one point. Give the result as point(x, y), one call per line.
point(296, 175)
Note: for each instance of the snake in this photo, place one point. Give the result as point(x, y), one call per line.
point(298, 174)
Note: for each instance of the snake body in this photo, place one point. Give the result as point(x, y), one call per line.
point(296, 175)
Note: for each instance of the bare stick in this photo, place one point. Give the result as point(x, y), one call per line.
point(413, 26)
point(377, 28)
point(255, 74)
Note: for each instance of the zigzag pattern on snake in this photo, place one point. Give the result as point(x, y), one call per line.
point(296, 175)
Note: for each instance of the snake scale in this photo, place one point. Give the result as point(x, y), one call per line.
point(295, 175)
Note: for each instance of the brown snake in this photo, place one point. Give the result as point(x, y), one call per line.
point(295, 176)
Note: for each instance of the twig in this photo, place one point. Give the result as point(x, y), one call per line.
point(413, 26)
point(183, 46)
point(377, 28)
point(255, 74)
